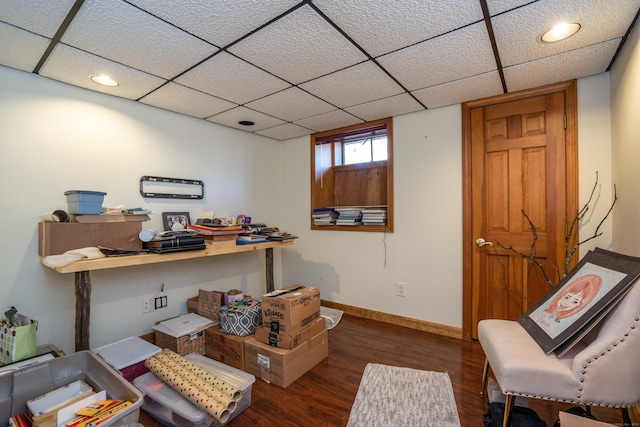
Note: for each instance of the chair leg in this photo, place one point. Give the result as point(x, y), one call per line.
point(485, 377)
point(626, 420)
point(508, 406)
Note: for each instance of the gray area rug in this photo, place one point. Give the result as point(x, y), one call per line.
point(403, 397)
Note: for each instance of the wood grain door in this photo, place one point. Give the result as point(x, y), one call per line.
point(520, 158)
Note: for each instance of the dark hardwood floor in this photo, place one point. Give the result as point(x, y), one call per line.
point(323, 396)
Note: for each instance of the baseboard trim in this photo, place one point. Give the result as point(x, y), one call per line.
point(407, 322)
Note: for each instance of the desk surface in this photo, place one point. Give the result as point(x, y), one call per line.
point(212, 249)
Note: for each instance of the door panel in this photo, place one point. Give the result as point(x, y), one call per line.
point(515, 160)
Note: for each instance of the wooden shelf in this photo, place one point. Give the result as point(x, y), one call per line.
point(82, 278)
point(212, 249)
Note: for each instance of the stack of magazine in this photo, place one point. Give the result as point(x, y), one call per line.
point(175, 241)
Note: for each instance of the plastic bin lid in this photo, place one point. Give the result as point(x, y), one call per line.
point(165, 395)
point(127, 352)
point(99, 193)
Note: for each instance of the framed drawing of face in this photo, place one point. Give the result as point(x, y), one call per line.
point(580, 300)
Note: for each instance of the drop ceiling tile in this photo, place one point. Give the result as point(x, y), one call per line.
point(39, 17)
point(74, 66)
point(20, 49)
point(231, 118)
point(123, 33)
point(228, 77)
point(565, 66)
point(219, 22)
point(286, 131)
point(500, 6)
point(383, 26)
point(453, 56)
point(327, 121)
point(354, 85)
point(387, 107)
point(517, 31)
point(174, 97)
point(299, 47)
point(476, 87)
point(291, 105)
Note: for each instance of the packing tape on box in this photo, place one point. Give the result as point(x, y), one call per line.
point(202, 388)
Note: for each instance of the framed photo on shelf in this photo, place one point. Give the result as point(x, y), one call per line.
point(577, 304)
point(175, 221)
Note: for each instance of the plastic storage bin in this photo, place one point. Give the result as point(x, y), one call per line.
point(128, 356)
point(81, 202)
point(17, 387)
point(170, 408)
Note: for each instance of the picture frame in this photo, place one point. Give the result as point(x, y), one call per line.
point(577, 304)
point(175, 221)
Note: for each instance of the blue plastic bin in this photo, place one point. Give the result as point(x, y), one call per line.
point(82, 202)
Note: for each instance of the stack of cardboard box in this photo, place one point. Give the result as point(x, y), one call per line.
point(293, 337)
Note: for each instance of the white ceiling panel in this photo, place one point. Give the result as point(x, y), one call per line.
point(219, 22)
point(299, 47)
point(499, 6)
point(75, 67)
point(517, 31)
point(20, 49)
point(291, 105)
point(327, 121)
point(286, 131)
point(294, 67)
point(39, 17)
point(414, 66)
point(351, 86)
point(565, 66)
point(231, 118)
point(118, 31)
point(387, 107)
point(476, 87)
point(231, 78)
point(175, 97)
point(384, 26)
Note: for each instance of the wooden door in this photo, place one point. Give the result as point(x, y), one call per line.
point(520, 157)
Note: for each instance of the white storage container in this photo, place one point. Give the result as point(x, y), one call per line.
point(172, 409)
point(128, 356)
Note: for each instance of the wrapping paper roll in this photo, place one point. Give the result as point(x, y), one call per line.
point(178, 375)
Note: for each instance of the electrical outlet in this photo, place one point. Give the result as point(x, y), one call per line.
point(146, 306)
point(401, 289)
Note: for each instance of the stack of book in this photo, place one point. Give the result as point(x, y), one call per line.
point(217, 233)
point(374, 216)
point(175, 242)
point(324, 216)
point(349, 216)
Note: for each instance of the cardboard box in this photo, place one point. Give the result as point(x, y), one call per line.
point(570, 420)
point(274, 339)
point(55, 238)
point(291, 309)
point(282, 367)
point(225, 348)
point(44, 409)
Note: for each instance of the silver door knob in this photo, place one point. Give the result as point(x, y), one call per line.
point(480, 242)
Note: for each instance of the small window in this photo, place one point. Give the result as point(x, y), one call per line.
point(352, 178)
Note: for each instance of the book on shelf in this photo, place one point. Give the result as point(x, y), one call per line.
point(174, 241)
point(207, 230)
point(252, 238)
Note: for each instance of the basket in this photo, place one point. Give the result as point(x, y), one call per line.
point(186, 344)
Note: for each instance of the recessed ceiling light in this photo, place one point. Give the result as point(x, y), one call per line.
point(246, 123)
point(104, 80)
point(560, 32)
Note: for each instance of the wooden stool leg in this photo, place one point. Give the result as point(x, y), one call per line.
point(508, 406)
point(485, 377)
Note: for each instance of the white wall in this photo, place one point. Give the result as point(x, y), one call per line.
point(625, 111)
point(425, 251)
point(55, 137)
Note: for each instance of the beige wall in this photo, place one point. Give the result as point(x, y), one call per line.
point(625, 113)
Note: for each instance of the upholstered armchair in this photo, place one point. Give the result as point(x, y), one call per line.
point(601, 370)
